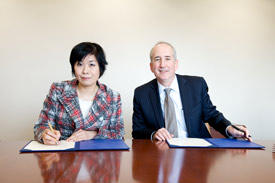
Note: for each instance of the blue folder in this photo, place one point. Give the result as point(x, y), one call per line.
point(227, 143)
point(89, 145)
point(101, 144)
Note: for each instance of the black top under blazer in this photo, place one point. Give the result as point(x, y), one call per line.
point(197, 106)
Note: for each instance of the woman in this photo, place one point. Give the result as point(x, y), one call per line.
point(83, 108)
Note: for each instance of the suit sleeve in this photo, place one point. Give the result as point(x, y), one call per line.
point(140, 129)
point(210, 114)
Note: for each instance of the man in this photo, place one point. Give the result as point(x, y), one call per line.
point(173, 105)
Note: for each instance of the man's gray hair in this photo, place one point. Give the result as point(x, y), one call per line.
point(163, 42)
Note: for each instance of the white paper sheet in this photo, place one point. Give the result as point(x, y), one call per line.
point(189, 142)
point(37, 146)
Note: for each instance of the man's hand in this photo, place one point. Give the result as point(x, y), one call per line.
point(82, 135)
point(162, 135)
point(51, 137)
point(241, 132)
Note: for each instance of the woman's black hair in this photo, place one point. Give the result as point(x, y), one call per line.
point(81, 50)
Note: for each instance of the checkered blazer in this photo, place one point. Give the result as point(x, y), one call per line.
point(61, 109)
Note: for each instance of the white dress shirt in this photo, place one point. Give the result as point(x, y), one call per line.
point(175, 96)
point(85, 107)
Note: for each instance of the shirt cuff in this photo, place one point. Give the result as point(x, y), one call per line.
point(152, 134)
point(228, 135)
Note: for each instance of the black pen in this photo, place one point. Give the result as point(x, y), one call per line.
point(237, 128)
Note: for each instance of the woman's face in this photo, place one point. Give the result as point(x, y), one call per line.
point(87, 71)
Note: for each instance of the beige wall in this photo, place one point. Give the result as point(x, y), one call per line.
point(230, 43)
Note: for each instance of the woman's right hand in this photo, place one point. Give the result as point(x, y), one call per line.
point(51, 137)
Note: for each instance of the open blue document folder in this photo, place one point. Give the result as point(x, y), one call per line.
point(213, 143)
point(88, 145)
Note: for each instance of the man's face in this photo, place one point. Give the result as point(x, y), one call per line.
point(163, 64)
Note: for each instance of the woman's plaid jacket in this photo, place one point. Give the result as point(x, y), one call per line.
point(61, 109)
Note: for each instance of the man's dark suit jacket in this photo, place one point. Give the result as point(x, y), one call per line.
point(196, 104)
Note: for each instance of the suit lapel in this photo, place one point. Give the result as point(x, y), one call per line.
point(185, 100)
point(155, 101)
point(70, 102)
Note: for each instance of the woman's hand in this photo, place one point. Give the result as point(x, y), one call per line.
point(82, 135)
point(51, 137)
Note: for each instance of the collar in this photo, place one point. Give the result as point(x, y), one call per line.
point(71, 87)
point(174, 86)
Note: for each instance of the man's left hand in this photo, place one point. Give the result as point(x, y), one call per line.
point(242, 133)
